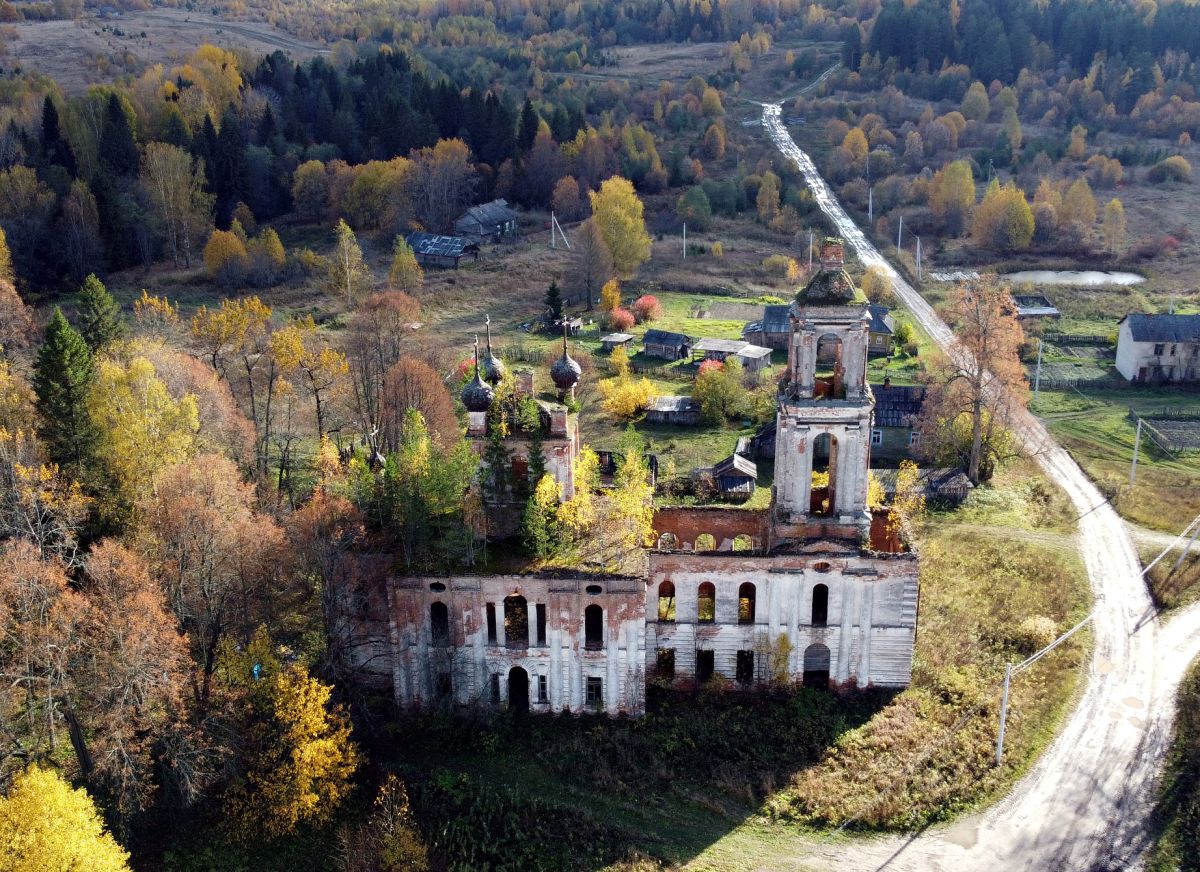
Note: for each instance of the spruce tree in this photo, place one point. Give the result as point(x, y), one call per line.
point(554, 302)
point(99, 314)
point(118, 151)
point(529, 127)
point(537, 456)
point(62, 378)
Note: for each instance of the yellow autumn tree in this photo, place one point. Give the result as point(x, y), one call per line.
point(855, 144)
point(952, 195)
point(578, 514)
point(141, 428)
point(610, 296)
point(47, 825)
point(1079, 204)
point(625, 397)
point(619, 214)
point(300, 758)
point(1003, 221)
point(321, 368)
point(405, 274)
point(226, 257)
point(1114, 225)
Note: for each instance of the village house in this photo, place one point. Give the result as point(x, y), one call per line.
point(487, 222)
point(431, 249)
point(774, 330)
point(1159, 349)
point(612, 341)
point(666, 345)
point(672, 409)
point(735, 477)
point(894, 436)
point(882, 331)
point(817, 588)
point(753, 358)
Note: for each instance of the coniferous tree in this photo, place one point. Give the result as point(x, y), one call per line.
point(62, 378)
point(554, 302)
point(118, 150)
point(55, 149)
point(99, 314)
point(529, 127)
point(537, 455)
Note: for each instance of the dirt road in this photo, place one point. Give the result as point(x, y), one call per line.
point(1085, 803)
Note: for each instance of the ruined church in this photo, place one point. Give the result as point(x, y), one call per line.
point(816, 588)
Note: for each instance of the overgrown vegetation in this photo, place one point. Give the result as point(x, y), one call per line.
point(1178, 812)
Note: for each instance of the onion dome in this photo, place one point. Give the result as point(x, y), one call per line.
point(477, 395)
point(492, 366)
point(565, 371)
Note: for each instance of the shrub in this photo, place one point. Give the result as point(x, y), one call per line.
point(718, 250)
point(903, 334)
point(646, 308)
point(1171, 169)
point(621, 319)
point(911, 349)
point(777, 265)
point(1034, 633)
point(225, 257)
point(625, 397)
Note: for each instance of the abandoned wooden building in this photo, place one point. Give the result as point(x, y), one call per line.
point(673, 409)
point(613, 341)
point(753, 358)
point(666, 345)
point(488, 222)
point(444, 251)
point(816, 588)
point(1159, 349)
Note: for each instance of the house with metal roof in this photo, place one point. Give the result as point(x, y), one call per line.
point(736, 477)
point(1159, 349)
point(774, 330)
point(672, 409)
point(613, 341)
point(488, 222)
point(882, 329)
point(751, 357)
point(444, 251)
point(667, 345)
point(894, 434)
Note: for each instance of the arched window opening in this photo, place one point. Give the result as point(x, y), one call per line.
point(824, 474)
point(746, 596)
point(706, 542)
point(666, 602)
point(820, 606)
point(516, 622)
point(518, 690)
point(668, 542)
point(816, 666)
point(706, 603)
point(743, 543)
point(830, 372)
point(439, 623)
point(593, 628)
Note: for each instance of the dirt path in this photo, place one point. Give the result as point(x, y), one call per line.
point(1085, 803)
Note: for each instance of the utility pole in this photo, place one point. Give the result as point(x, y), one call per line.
point(1037, 376)
point(899, 232)
point(918, 258)
point(1137, 444)
point(552, 223)
point(1003, 713)
point(685, 240)
point(871, 203)
point(810, 249)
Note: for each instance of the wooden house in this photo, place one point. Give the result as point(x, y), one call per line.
point(443, 251)
point(752, 357)
point(613, 341)
point(487, 222)
point(882, 330)
point(667, 345)
point(736, 477)
point(894, 436)
point(672, 409)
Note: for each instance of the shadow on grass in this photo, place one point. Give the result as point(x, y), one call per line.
point(567, 792)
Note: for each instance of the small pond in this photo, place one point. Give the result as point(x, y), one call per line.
point(1078, 278)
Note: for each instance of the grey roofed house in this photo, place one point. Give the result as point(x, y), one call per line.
point(897, 405)
point(672, 409)
point(752, 357)
point(613, 340)
point(434, 250)
point(488, 222)
point(1034, 306)
point(719, 346)
point(736, 463)
point(1163, 328)
point(667, 345)
point(882, 328)
point(944, 484)
point(735, 476)
point(775, 328)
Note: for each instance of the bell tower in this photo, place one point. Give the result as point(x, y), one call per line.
point(823, 429)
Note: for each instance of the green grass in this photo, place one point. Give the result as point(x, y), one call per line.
point(1095, 427)
point(1178, 812)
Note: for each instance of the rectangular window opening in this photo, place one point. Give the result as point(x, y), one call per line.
point(491, 623)
point(541, 623)
point(595, 691)
point(745, 667)
point(495, 688)
point(543, 689)
point(666, 663)
point(705, 661)
point(876, 437)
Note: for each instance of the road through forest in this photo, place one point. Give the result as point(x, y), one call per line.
point(1085, 804)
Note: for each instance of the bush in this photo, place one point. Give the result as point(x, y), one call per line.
point(1172, 169)
point(225, 257)
point(903, 334)
point(1034, 633)
point(911, 349)
point(646, 308)
point(779, 265)
point(621, 319)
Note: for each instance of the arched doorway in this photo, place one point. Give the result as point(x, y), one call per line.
point(518, 690)
point(816, 666)
point(824, 474)
point(829, 374)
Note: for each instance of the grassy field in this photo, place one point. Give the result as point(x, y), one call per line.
point(1095, 426)
point(1178, 812)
